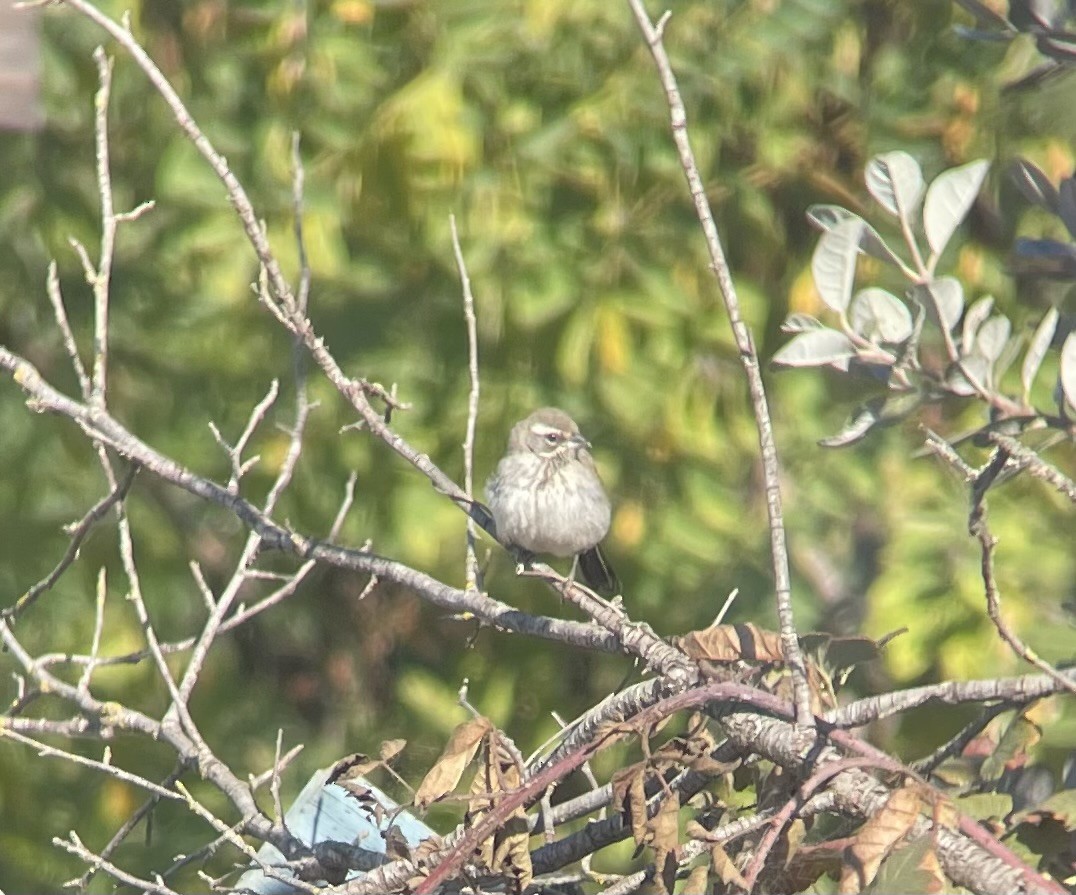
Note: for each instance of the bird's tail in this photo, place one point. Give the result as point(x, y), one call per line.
point(597, 572)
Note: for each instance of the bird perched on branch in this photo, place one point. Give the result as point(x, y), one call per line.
point(546, 497)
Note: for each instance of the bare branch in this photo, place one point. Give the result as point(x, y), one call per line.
point(102, 426)
point(105, 766)
point(979, 529)
point(102, 280)
point(1027, 459)
point(472, 571)
point(73, 845)
point(98, 624)
point(130, 824)
point(748, 357)
point(1010, 691)
point(78, 532)
point(60, 312)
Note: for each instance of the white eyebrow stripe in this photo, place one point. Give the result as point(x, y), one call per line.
point(545, 429)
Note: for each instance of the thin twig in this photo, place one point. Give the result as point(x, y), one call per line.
point(52, 287)
point(98, 625)
point(979, 529)
point(73, 845)
point(274, 290)
point(102, 280)
point(105, 766)
point(78, 532)
point(472, 572)
point(235, 452)
point(130, 824)
point(955, 745)
point(748, 356)
point(274, 785)
point(793, 807)
point(1027, 459)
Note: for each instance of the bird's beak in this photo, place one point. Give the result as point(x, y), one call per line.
point(580, 442)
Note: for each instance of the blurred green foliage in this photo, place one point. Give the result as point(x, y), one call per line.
point(541, 125)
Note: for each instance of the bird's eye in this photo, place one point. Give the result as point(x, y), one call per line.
point(552, 438)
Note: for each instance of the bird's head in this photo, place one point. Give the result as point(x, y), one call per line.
point(550, 433)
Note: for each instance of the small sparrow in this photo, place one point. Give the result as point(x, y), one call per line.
point(546, 497)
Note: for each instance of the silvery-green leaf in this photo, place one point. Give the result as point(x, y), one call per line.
point(800, 323)
point(977, 366)
point(826, 217)
point(948, 200)
point(992, 336)
point(1034, 185)
point(977, 313)
point(1009, 352)
point(896, 181)
point(882, 411)
point(863, 420)
point(943, 300)
point(899, 405)
point(1066, 205)
point(880, 316)
point(834, 263)
point(816, 348)
point(1068, 369)
point(1036, 351)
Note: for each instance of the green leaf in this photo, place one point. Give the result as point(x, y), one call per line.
point(1013, 749)
point(865, 418)
point(801, 323)
point(985, 806)
point(834, 263)
point(1068, 369)
point(1036, 351)
point(816, 348)
point(977, 313)
point(878, 315)
point(896, 182)
point(826, 217)
point(993, 336)
point(881, 411)
point(944, 301)
point(948, 200)
point(904, 871)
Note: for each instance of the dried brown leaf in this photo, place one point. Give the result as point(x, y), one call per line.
point(507, 851)
point(877, 838)
point(733, 643)
point(355, 765)
point(391, 749)
point(358, 790)
point(663, 836)
point(512, 853)
point(795, 833)
point(726, 869)
point(629, 797)
point(445, 775)
point(810, 862)
point(698, 880)
point(932, 866)
point(396, 845)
